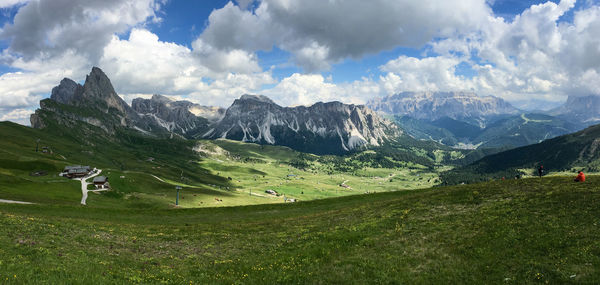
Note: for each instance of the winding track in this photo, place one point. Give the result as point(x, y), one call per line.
point(84, 184)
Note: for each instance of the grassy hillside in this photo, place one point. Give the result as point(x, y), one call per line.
point(509, 232)
point(143, 171)
point(578, 150)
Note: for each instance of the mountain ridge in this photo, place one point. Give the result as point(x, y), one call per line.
point(337, 126)
point(332, 127)
point(432, 106)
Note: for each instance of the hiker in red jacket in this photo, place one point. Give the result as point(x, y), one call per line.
point(580, 177)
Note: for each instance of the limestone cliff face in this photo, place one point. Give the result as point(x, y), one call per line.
point(581, 109)
point(65, 92)
point(331, 127)
point(432, 106)
point(174, 116)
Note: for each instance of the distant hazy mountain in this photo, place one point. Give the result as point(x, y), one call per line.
point(582, 109)
point(331, 127)
point(510, 131)
point(431, 106)
point(464, 120)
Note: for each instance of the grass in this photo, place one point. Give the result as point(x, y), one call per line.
point(227, 173)
point(513, 232)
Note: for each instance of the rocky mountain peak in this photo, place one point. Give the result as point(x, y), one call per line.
point(66, 91)
point(161, 98)
point(98, 82)
point(97, 93)
point(258, 98)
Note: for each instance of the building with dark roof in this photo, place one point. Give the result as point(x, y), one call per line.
point(101, 182)
point(73, 171)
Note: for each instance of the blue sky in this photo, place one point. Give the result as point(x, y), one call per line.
point(533, 54)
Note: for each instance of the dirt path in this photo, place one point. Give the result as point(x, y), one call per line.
point(15, 202)
point(158, 178)
point(84, 184)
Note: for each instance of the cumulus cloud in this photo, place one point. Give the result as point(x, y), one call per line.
point(144, 64)
point(49, 40)
point(20, 116)
point(427, 74)
point(306, 89)
point(535, 57)
point(10, 3)
point(44, 29)
point(319, 33)
point(25, 89)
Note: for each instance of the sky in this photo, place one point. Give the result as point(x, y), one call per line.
point(533, 54)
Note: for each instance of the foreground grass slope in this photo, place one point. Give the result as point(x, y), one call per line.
point(513, 232)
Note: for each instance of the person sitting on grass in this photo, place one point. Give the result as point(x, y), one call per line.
point(580, 177)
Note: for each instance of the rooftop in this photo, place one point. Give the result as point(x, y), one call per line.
point(100, 179)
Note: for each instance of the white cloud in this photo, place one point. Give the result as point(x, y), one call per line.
point(45, 29)
point(11, 3)
point(25, 89)
point(20, 116)
point(303, 89)
point(427, 74)
point(532, 57)
point(319, 33)
point(306, 89)
point(144, 64)
point(50, 40)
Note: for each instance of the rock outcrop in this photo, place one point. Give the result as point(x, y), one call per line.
point(432, 106)
point(331, 127)
point(174, 116)
point(580, 109)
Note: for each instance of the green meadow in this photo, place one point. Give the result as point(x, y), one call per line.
point(355, 221)
point(525, 231)
point(212, 173)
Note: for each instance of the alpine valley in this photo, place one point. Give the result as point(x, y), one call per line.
point(299, 142)
point(433, 131)
point(465, 120)
point(162, 158)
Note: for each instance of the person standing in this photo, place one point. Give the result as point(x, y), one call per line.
point(541, 171)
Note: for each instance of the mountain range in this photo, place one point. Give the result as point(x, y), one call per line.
point(321, 128)
point(458, 119)
point(331, 127)
point(465, 120)
point(431, 106)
